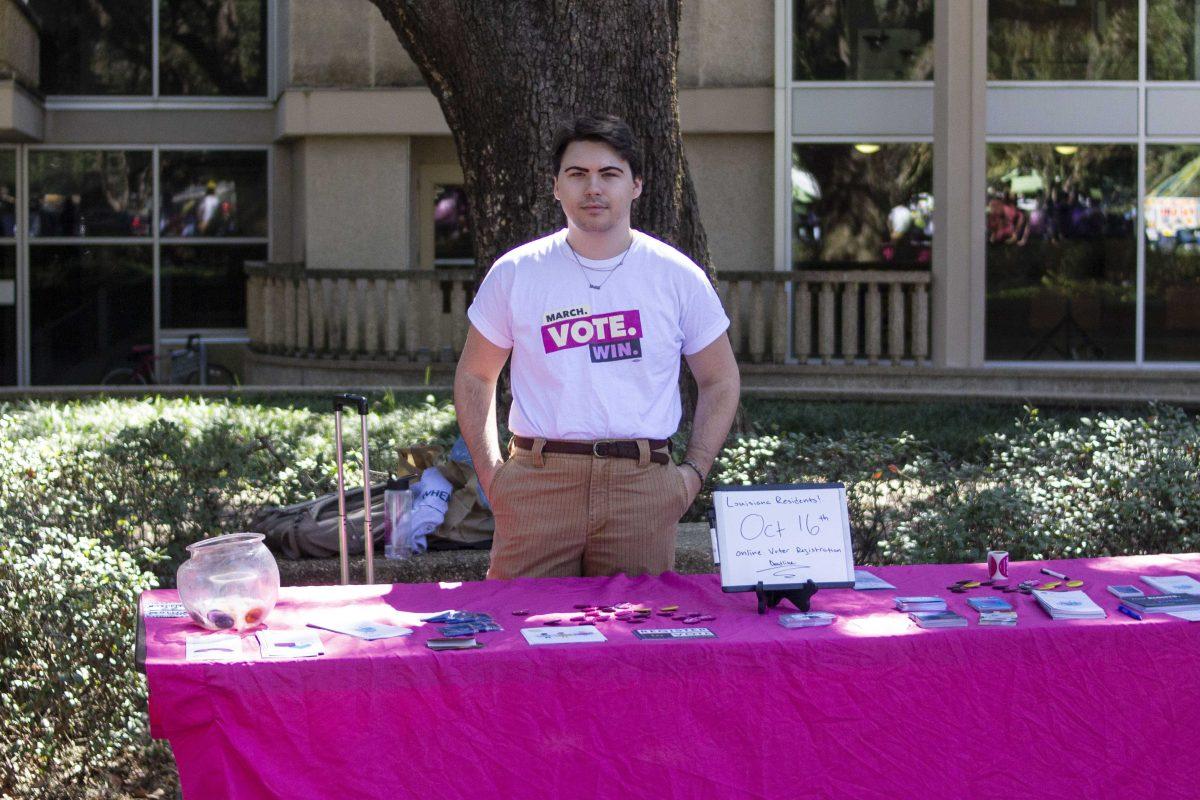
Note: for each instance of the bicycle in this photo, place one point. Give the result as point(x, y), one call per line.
point(187, 366)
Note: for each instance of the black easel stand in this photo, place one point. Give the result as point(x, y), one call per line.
point(769, 598)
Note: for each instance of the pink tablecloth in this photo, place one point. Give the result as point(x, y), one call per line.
point(870, 708)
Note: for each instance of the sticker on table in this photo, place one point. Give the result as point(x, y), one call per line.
point(580, 634)
point(660, 634)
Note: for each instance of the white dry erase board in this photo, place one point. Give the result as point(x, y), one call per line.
point(783, 536)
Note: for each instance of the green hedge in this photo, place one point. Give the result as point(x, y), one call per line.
point(98, 499)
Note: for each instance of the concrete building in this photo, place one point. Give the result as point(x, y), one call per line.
point(975, 198)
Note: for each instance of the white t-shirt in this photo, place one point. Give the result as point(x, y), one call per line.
point(596, 364)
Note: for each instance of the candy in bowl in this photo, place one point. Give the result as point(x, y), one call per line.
point(229, 582)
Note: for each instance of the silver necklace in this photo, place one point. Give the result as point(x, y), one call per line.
point(608, 272)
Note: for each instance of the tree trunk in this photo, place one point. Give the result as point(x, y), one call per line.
point(507, 72)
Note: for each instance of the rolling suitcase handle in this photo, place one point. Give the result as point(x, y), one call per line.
point(360, 403)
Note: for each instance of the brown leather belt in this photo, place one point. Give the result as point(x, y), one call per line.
point(602, 448)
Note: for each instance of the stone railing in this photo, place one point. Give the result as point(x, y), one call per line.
point(411, 315)
point(836, 315)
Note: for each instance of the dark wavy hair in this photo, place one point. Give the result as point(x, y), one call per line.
point(610, 130)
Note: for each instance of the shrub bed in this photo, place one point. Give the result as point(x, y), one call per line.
point(98, 499)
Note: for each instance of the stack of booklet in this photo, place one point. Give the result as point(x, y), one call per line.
point(993, 610)
point(938, 619)
point(920, 604)
point(809, 619)
point(1169, 603)
point(1173, 584)
point(1068, 605)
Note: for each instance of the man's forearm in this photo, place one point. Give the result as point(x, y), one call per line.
point(716, 404)
point(475, 406)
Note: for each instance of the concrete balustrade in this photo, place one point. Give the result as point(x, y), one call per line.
point(842, 316)
point(292, 311)
point(837, 315)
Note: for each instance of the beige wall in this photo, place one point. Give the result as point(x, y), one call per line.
point(734, 180)
point(724, 43)
point(355, 202)
point(348, 43)
point(19, 46)
point(344, 43)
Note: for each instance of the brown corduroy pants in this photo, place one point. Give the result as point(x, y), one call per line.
point(563, 515)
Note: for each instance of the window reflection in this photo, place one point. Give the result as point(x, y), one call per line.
point(90, 193)
point(1172, 215)
point(213, 193)
point(8, 315)
point(865, 203)
point(862, 40)
point(88, 307)
point(205, 287)
point(213, 47)
point(99, 47)
point(8, 194)
point(1052, 40)
point(1061, 255)
point(453, 242)
point(1171, 46)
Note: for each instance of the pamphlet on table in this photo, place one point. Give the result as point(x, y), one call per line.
point(1173, 584)
point(362, 629)
point(865, 581)
point(1068, 605)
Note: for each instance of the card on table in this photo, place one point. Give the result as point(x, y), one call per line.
point(164, 611)
point(580, 634)
point(289, 643)
point(213, 647)
point(656, 634)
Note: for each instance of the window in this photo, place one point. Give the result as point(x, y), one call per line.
point(1173, 43)
point(862, 40)
point(865, 203)
point(1172, 215)
point(94, 250)
point(89, 306)
point(213, 48)
point(214, 193)
point(95, 48)
point(206, 48)
point(1061, 252)
point(453, 242)
point(204, 286)
point(90, 193)
point(1063, 40)
point(8, 267)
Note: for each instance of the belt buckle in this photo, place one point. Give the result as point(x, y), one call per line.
point(596, 453)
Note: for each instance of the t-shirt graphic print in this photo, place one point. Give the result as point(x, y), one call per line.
point(611, 336)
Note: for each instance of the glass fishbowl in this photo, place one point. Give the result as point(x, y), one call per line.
point(229, 583)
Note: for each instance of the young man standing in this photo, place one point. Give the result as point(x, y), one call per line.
point(596, 317)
